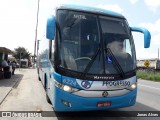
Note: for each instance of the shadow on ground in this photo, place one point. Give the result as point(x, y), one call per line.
point(12, 82)
point(120, 114)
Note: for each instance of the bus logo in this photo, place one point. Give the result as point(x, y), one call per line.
point(86, 84)
point(105, 94)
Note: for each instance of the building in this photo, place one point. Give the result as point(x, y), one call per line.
point(4, 52)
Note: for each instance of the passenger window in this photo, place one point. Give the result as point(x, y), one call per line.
point(127, 46)
point(53, 51)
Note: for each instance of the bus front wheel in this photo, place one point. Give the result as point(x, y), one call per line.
point(48, 100)
point(38, 74)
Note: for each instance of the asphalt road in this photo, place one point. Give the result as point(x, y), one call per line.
point(29, 95)
point(149, 94)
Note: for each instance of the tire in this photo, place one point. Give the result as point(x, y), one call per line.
point(39, 78)
point(48, 100)
point(45, 87)
point(38, 74)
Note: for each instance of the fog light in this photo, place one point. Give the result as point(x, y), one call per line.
point(66, 103)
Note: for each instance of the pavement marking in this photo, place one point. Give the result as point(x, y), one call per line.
point(148, 86)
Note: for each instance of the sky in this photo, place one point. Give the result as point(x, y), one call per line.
point(18, 21)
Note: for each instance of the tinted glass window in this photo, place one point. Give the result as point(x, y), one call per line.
point(83, 48)
point(80, 39)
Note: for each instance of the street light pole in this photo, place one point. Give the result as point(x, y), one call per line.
point(36, 32)
point(37, 46)
point(19, 61)
point(158, 53)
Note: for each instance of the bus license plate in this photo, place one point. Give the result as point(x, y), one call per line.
point(103, 104)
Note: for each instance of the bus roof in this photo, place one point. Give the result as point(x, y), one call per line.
point(90, 9)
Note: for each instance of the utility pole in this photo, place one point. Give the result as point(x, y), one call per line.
point(19, 61)
point(36, 33)
point(37, 46)
point(158, 53)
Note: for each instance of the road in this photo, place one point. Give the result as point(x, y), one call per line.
point(29, 95)
point(149, 93)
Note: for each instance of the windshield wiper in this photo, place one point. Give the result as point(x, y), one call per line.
point(72, 23)
point(116, 64)
point(91, 62)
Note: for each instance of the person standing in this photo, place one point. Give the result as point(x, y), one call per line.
point(5, 65)
point(6, 69)
point(13, 66)
point(8, 61)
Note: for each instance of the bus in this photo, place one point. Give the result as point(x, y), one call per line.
point(23, 63)
point(88, 59)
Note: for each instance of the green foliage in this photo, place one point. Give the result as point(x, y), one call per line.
point(23, 51)
point(149, 75)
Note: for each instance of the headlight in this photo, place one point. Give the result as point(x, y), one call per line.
point(133, 86)
point(66, 88)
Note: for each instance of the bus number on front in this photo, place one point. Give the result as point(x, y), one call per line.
point(69, 82)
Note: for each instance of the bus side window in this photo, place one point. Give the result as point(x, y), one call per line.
point(52, 50)
point(127, 46)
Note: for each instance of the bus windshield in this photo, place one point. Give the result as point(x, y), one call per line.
point(94, 44)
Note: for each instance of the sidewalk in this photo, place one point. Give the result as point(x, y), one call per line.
point(6, 85)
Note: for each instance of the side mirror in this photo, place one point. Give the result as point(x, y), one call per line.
point(50, 29)
point(147, 35)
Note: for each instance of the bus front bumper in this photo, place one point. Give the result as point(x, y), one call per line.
point(65, 102)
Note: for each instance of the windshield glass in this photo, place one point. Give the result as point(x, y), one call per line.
point(118, 45)
point(84, 48)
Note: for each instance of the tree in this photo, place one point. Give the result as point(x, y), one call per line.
point(23, 52)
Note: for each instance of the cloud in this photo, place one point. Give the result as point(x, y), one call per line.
point(55, 3)
point(143, 53)
point(17, 24)
point(133, 1)
point(115, 7)
point(155, 39)
point(155, 42)
point(153, 27)
point(153, 5)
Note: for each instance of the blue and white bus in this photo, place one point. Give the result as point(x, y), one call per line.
point(88, 59)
